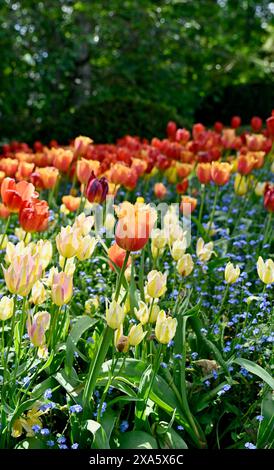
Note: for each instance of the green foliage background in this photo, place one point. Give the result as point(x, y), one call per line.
point(108, 67)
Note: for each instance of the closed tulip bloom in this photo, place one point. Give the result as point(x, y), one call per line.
point(72, 203)
point(185, 265)
point(158, 238)
point(188, 204)
point(84, 224)
point(22, 273)
point(142, 312)
point(37, 327)
point(38, 293)
point(97, 189)
point(86, 247)
point(45, 178)
point(6, 308)
point(67, 265)
point(183, 170)
point(265, 270)
point(156, 284)
point(62, 159)
point(269, 197)
point(4, 211)
point(115, 315)
point(178, 249)
point(246, 164)
point(14, 194)
point(204, 250)
point(260, 188)
point(220, 172)
point(22, 235)
point(203, 172)
point(68, 242)
point(24, 170)
point(34, 215)
point(240, 185)
point(9, 166)
point(120, 340)
point(117, 255)
point(81, 145)
point(136, 335)
point(154, 312)
point(160, 190)
point(62, 288)
point(85, 168)
point(165, 328)
point(44, 249)
point(134, 225)
point(231, 273)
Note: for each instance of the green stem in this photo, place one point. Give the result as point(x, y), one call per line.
point(213, 210)
point(155, 370)
point(203, 188)
point(5, 231)
point(120, 278)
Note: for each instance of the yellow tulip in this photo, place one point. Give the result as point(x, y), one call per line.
point(165, 328)
point(38, 293)
point(158, 238)
point(86, 247)
point(115, 315)
point(240, 184)
point(62, 288)
point(156, 284)
point(178, 249)
point(260, 188)
point(142, 313)
point(204, 250)
point(83, 224)
point(37, 327)
point(185, 265)
point(21, 235)
point(68, 241)
point(6, 308)
point(22, 274)
point(154, 312)
point(265, 270)
point(136, 335)
point(231, 273)
point(44, 250)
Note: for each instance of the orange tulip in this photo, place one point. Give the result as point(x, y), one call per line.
point(160, 190)
point(183, 170)
point(45, 178)
point(24, 170)
point(4, 211)
point(188, 200)
point(14, 194)
point(220, 173)
point(134, 225)
point(72, 203)
point(9, 166)
point(62, 159)
point(203, 172)
point(117, 255)
point(182, 186)
point(85, 168)
point(245, 164)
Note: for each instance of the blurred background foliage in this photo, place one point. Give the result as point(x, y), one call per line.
point(109, 67)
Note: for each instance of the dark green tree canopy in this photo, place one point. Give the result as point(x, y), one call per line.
point(113, 66)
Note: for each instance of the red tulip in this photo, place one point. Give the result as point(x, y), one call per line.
point(34, 215)
point(256, 123)
point(270, 125)
point(97, 189)
point(269, 197)
point(218, 127)
point(235, 122)
point(117, 255)
point(14, 194)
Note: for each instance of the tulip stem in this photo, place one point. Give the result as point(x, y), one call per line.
point(120, 278)
point(203, 187)
point(267, 232)
point(5, 231)
point(155, 370)
point(213, 210)
point(218, 315)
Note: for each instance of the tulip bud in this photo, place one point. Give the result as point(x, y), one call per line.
point(38, 293)
point(68, 241)
point(178, 249)
point(203, 172)
point(115, 315)
point(269, 197)
point(83, 224)
point(62, 288)
point(220, 172)
point(154, 312)
point(97, 189)
point(6, 308)
point(240, 185)
point(231, 273)
point(142, 313)
point(265, 270)
point(37, 327)
point(260, 188)
point(185, 265)
point(136, 335)
point(22, 235)
point(156, 284)
point(165, 328)
point(86, 247)
point(158, 238)
point(204, 250)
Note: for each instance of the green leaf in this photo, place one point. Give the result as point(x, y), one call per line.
point(256, 370)
point(171, 440)
point(100, 440)
point(265, 437)
point(82, 324)
point(137, 440)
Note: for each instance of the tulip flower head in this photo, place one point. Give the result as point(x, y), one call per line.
point(136, 335)
point(117, 255)
point(6, 308)
point(68, 241)
point(220, 173)
point(115, 315)
point(22, 273)
point(34, 215)
point(185, 265)
point(96, 189)
point(14, 194)
point(86, 247)
point(204, 250)
point(62, 288)
point(142, 312)
point(265, 270)
point(165, 328)
point(156, 284)
point(231, 273)
point(269, 197)
point(37, 327)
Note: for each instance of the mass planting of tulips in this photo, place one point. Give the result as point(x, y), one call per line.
point(136, 306)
